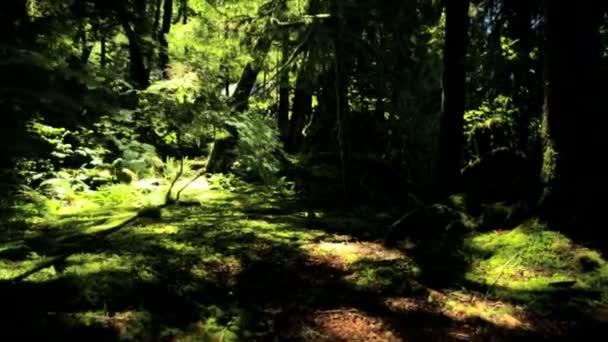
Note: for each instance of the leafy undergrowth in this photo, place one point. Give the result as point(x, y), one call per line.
point(240, 262)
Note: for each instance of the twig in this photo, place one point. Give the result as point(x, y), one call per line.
point(199, 174)
point(179, 174)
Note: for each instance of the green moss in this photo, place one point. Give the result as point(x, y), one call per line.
point(531, 258)
point(383, 276)
point(549, 163)
point(458, 202)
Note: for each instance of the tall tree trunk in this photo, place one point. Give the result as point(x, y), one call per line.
point(342, 108)
point(283, 115)
point(224, 154)
point(163, 55)
point(138, 70)
point(451, 136)
point(301, 111)
point(103, 58)
point(86, 49)
point(157, 11)
point(139, 47)
point(182, 12)
point(572, 135)
point(13, 34)
point(240, 98)
point(523, 81)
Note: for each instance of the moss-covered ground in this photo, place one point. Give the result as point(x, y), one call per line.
point(244, 263)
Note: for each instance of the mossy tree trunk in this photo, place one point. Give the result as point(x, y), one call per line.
point(283, 113)
point(163, 55)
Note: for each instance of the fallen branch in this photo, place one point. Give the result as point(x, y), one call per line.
point(197, 176)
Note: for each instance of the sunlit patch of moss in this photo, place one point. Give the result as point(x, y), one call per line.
point(218, 326)
point(383, 276)
point(532, 259)
point(212, 195)
point(588, 260)
point(156, 229)
point(117, 220)
point(127, 325)
point(219, 269)
point(45, 274)
point(351, 252)
point(10, 269)
point(177, 247)
point(88, 263)
point(277, 232)
point(500, 314)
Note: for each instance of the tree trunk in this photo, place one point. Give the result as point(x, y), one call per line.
point(522, 20)
point(572, 135)
point(240, 98)
point(301, 110)
point(224, 153)
point(157, 11)
point(103, 53)
point(138, 70)
point(139, 48)
point(163, 55)
point(283, 115)
point(451, 136)
point(342, 108)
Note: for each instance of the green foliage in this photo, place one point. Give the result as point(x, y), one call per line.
point(501, 107)
point(507, 46)
point(259, 146)
point(490, 127)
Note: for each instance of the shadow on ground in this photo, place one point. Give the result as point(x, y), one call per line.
point(218, 272)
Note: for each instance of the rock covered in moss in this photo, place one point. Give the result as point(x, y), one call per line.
point(125, 176)
point(588, 260)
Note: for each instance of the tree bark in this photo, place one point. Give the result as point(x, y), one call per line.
point(157, 11)
point(342, 107)
point(240, 98)
point(451, 136)
point(572, 133)
point(224, 154)
point(163, 55)
point(523, 26)
point(103, 59)
point(283, 114)
point(139, 49)
point(301, 111)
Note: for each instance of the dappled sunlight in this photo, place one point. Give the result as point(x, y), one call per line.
point(12, 269)
point(346, 325)
point(111, 223)
point(529, 262)
point(156, 229)
point(87, 263)
point(464, 307)
point(234, 267)
point(344, 255)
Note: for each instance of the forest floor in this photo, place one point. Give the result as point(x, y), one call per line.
point(250, 265)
